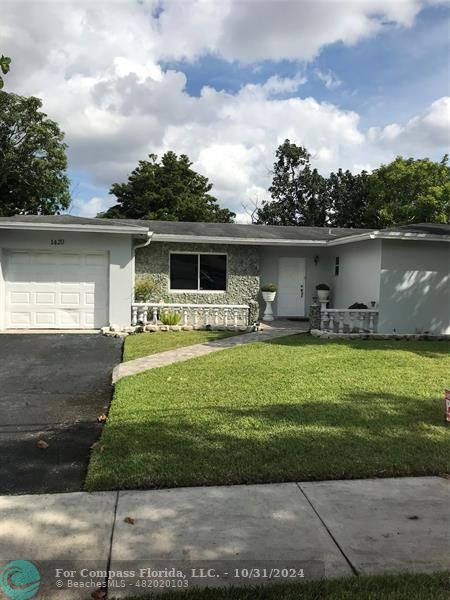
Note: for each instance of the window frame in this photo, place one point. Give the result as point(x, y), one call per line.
point(198, 290)
point(337, 266)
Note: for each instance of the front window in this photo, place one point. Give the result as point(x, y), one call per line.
point(198, 272)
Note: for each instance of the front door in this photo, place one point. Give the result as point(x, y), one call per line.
point(291, 287)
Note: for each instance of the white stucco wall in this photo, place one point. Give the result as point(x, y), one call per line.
point(118, 247)
point(359, 273)
point(415, 287)
point(315, 273)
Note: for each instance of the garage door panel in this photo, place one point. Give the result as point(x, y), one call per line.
point(70, 298)
point(45, 290)
point(20, 319)
point(45, 298)
point(69, 318)
point(47, 319)
point(20, 297)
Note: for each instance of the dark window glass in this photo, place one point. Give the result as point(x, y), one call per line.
point(213, 272)
point(184, 271)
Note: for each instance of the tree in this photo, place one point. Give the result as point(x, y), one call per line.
point(349, 198)
point(5, 61)
point(168, 191)
point(410, 191)
point(300, 195)
point(33, 159)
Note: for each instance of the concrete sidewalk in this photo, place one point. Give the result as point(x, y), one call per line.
point(329, 529)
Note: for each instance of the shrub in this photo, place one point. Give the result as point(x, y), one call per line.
point(144, 288)
point(169, 318)
point(269, 287)
point(357, 305)
point(323, 286)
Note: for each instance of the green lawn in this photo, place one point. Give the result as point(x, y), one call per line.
point(297, 408)
point(144, 344)
point(388, 587)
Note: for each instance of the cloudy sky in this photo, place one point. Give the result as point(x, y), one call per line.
point(226, 81)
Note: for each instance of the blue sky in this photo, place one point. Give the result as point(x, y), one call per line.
point(357, 84)
point(391, 76)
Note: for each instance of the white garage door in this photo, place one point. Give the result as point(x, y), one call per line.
point(45, 290)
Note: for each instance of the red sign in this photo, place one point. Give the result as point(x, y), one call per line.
point(447, 406)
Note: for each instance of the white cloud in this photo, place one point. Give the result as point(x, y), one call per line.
point(91, 208)
point(276, 85)
point(98, 68)
point(427, 131)
point(329, 79)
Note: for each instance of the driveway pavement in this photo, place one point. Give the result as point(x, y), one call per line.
point(52, 387)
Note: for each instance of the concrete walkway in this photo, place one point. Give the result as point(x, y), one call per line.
point(162, 359)
point(328, 529)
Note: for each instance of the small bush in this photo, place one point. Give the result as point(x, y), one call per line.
point(269, 287)
point(144, 288)
point(169, 318)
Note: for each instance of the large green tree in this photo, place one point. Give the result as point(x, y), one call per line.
point(299, 193)
point(410, 191)
point(33, 159)
point(349, 199)
point(169, 190)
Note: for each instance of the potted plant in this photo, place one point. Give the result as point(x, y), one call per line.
point(269, 291)
point(323, 291)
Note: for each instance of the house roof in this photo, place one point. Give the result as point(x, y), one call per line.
point(72, 223)
point(421, 228)
point(247, 232)
point(225, 232)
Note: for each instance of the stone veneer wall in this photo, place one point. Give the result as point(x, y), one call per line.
point(243, 272)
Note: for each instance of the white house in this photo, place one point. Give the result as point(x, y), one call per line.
point(69, 272)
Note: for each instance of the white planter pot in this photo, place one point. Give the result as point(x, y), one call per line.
point(323, 295)
point(268, 296)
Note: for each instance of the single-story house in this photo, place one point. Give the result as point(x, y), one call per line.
point(70, 272)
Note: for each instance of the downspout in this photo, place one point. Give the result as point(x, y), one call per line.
point(144, 245)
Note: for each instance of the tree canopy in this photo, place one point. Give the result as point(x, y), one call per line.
point(404, 191)
point(299, 192)
point(167, 190)
point(33, 159)
point(410, 191)
point(348, 197)
point(5, 61)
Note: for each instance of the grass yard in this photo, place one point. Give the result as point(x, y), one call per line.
point(144, 344)
point(296, 408)
point(388, 587)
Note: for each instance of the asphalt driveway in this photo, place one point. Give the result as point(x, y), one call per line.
point(52, 387)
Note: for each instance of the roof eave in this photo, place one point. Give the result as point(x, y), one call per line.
point(201, 239)
point(393, 235)
point(77, 228)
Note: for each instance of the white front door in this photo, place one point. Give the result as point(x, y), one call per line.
point(291, 287)
point(45, 290)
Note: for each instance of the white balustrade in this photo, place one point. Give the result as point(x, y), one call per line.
point(197, 315)
point(346, 320)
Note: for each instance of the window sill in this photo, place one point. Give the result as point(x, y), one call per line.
point(197, 291)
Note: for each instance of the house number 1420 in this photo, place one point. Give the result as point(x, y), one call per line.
point(56, 242)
